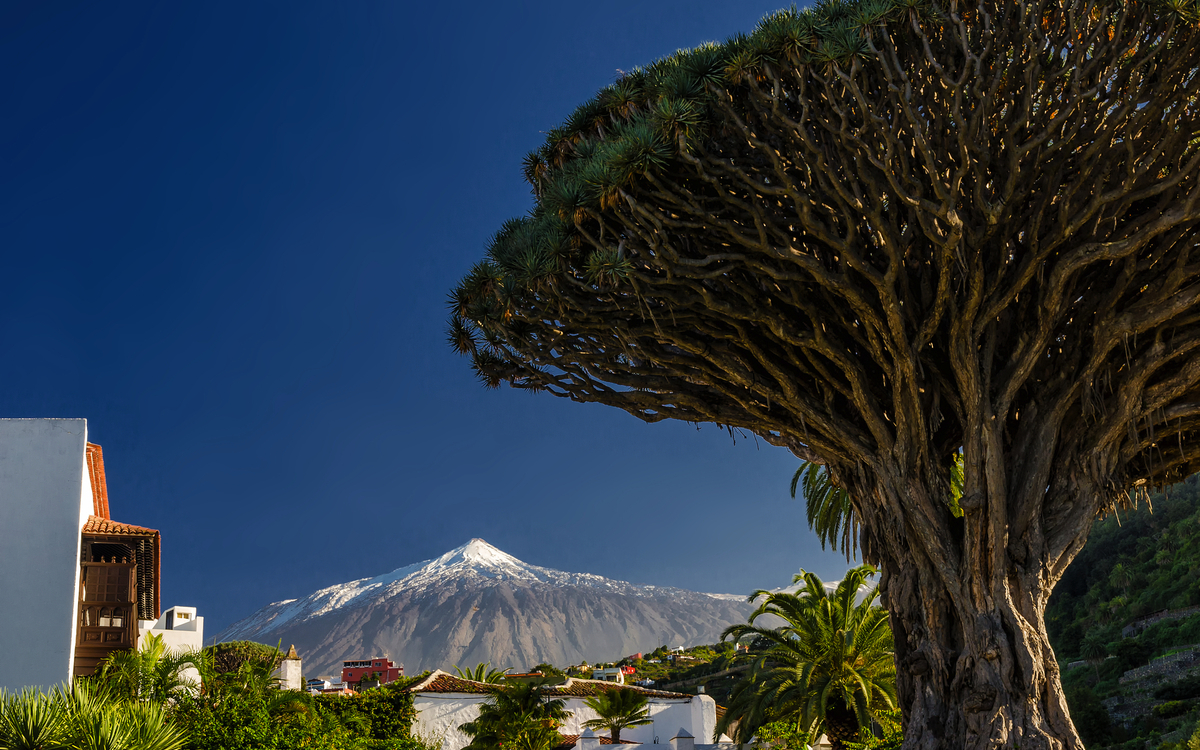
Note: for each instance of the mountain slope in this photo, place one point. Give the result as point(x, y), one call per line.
point(477, 603)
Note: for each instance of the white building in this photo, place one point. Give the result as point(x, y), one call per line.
point(179, 627)
point(78, 584)
point(609, 674)
point(445, 702)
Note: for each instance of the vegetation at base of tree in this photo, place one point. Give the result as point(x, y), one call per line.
point(618, 709)
point(887, 734)
point(829, 667)
point(520, 717)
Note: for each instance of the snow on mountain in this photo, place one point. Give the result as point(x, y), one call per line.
point(517, 611)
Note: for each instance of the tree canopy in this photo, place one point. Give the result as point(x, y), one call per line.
point(883, 234)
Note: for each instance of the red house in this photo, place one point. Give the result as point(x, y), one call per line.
point(376, 668)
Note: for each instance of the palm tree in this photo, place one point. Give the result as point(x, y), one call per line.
point(829, 667)
point(150, 673)
point(827, 507)
point(483, 673)
point(830, 511)
point(618, 709)
point(1120, 577)
point(1094, 650)
point(520, 717)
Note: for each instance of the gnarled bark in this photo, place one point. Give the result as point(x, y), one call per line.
point(975, 668)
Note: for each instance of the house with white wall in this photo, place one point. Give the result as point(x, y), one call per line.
point(78, 585)
point(180, 628)
point(445, 702)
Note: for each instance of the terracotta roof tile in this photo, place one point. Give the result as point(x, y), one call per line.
point(98, 525)
point(570, 740)
point(441, 682)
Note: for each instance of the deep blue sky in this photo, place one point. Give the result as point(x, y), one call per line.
point(227, 234)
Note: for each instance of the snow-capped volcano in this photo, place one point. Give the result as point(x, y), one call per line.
point(477, 603)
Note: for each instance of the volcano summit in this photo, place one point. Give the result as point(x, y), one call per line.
point(476, 604)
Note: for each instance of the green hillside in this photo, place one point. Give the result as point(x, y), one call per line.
point(1138, 565)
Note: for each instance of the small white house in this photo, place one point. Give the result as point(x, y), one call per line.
point(179, 627)
point(609, 674)
point(445, 702)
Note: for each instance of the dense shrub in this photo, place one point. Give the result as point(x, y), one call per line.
point(1172, 708)
point(229, 656)
point(383, 713)
point(1189, 687)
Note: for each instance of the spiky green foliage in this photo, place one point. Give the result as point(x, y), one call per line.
point(86, 717)
point(827, 508)
point(32, 720)
point(828, 668)
point(518, 717)
point(618, 709)
point(150, 673)
point(483, 672)
point(830, 513)
point(101, 721)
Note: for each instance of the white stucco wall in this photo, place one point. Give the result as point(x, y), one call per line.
point(45, 498)
point(440, 715)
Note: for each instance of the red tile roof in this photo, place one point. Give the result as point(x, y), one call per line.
point(441, 682)
point(99, 525)
point(570, 740)
point(95, 463)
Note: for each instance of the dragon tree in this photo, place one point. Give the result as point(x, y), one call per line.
point(884, 234)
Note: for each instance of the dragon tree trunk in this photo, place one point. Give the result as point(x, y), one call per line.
point(967, 594)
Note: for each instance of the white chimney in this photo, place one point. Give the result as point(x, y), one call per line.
point(683, 740)
point(588, 741)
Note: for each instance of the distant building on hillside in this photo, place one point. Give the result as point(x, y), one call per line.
point(376, 669)
point(610, 674)
point(84, 585)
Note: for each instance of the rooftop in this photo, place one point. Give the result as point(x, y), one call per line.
point(98, 525)
point(443, 682)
